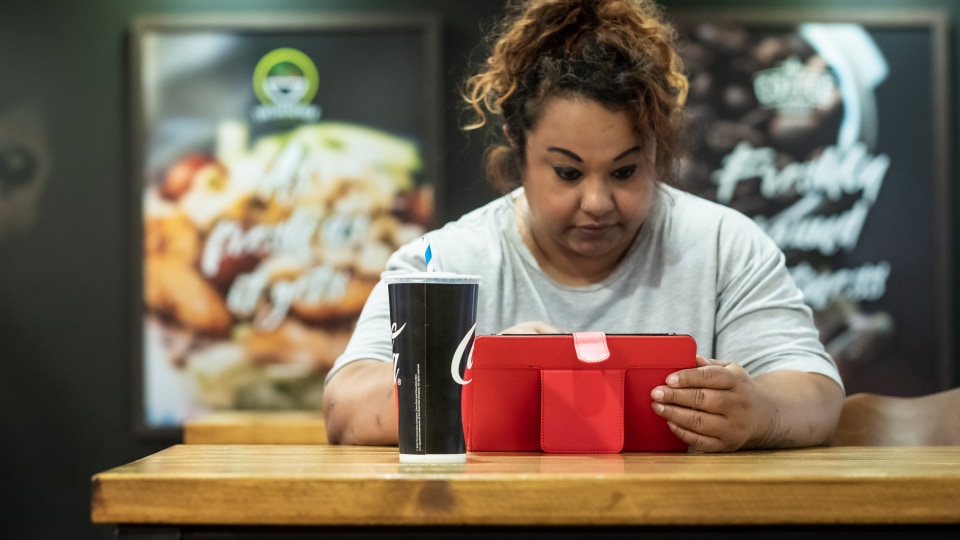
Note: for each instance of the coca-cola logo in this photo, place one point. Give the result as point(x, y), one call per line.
point(458, 355)
point(394, 333)
point(454, 361)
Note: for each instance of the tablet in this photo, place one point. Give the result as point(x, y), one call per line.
point(571, 393)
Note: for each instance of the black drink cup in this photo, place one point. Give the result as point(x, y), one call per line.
point(432, 318)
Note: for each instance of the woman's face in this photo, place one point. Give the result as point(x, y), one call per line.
point(589, 181)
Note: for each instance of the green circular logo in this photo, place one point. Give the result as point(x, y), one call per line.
point(285, 77)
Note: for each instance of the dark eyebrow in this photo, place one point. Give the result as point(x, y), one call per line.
point(578, 159)
point(567, 153)
point(627, 153)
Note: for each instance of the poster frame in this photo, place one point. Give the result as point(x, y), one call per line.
point(936, 23)
point(426, 26)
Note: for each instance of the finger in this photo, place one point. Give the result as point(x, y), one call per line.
point(533, 327)
point(698, 441)
point(700, 422)
point(709, 376)
point(704, 361)
point(544, 328)
point(703, 399)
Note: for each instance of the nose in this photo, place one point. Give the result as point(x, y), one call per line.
point(597, 197)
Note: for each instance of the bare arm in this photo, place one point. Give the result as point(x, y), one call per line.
point(802, 409)
point(359, 406)
point(718, 407)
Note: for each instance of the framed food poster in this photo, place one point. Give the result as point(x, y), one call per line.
point(277, 163)
point(829, 129)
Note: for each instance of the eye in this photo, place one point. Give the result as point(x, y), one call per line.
point(567, 173)
point(624, 172)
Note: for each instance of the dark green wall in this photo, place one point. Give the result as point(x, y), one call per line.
point(66, 384)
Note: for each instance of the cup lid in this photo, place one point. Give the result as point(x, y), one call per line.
point(429, 277)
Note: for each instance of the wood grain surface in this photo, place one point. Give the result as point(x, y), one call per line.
point(256, 427)
point(341, 485)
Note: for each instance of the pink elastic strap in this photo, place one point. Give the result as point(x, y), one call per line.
point(591, 346)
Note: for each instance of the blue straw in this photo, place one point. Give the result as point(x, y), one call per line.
point(428, 255)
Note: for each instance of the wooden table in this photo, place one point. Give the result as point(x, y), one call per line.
point(256, 427)
point(188, 491)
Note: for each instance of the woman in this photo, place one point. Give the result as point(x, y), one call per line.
point(587, 98)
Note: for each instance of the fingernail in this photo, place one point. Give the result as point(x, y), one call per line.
point(657, 394)
point(672, 379)
point(657, 408)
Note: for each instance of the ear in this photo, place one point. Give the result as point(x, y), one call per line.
point(509, 135)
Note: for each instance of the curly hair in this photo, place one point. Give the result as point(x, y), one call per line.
point(619, 53)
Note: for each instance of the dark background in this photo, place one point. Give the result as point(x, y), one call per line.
point(66, 353)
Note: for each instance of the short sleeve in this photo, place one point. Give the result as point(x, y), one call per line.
point(762, 322)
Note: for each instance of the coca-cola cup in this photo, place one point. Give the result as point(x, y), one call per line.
point(433, 317)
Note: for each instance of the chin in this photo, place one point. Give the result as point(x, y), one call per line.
point(595, 248)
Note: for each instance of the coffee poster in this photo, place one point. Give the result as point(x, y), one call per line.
point(278, 164)
point(829, 131)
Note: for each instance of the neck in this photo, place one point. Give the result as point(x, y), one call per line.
point(562, 265)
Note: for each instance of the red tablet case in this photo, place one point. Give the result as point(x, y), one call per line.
point(571, 393)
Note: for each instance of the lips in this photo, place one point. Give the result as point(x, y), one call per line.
point(596, 230)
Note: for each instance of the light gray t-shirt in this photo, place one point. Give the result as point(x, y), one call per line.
point(696, 268)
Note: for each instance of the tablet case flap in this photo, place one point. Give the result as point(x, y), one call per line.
point(591, 347)
point(581, 411)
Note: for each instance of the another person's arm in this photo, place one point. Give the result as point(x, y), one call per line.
point(718, 407)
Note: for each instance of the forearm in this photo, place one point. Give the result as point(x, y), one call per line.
point(359, 406)
point(797, 409)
